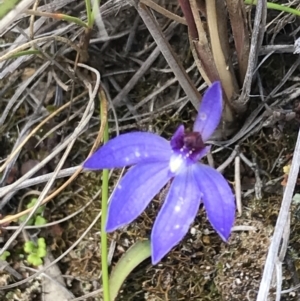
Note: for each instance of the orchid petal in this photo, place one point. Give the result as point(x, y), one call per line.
point(218, 199)
point(137, 188)
point(177, 138)
point(210, 111)
point(203, 152)
point(129, 149)
point(176, 215)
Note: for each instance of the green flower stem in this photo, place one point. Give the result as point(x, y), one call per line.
point(130, 260)
point(276, 6)
point(90, 12)
point(95, 10)
point(58, 16)
point(88, 9)
point(104, 264)
point(71, 19)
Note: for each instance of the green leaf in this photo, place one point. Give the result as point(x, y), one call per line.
point(40, 210)
point(34, 259)
point(39, 220)
point(23, 218)
point(31, 203)
point(29, 247)
point(41, 252)
point(4, 255)
point(30, 222)
point(130, 260)
point(41, 243)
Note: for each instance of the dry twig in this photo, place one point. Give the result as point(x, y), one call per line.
point(280, 225)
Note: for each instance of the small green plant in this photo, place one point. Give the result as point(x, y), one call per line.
point(35, 251)
point(37, 219)
point(4, 255)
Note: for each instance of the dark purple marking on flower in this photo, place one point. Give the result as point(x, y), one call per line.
point(193, 141)
point(188, 148)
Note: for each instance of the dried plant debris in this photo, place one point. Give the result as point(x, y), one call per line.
point(145, 95)
point(239, 267)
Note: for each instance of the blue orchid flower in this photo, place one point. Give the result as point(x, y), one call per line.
point(157, 161)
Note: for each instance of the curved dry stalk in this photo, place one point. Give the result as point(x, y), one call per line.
point(36, 129)
point(164, 11)
point(20, 90)
point(32, 19)
point(68, 217)
point(216, 19)
point(23, 133)
point(33, 43)
point(74, 172)
point(38, 180)
point(68, 144)
point(220, 49)
point(232, 156)
point(197, 60)
point(46, 189)
point(132, 82)
point(60, 125)
point(280, 225)
point(190, 19)
point(209, 70)
point(212, 55)
point(9, 18)
point(256, 42)
point(169, 54)
point(159, 90)
point(238, 20)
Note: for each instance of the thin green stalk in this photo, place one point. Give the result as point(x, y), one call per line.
point(104, 264)
point(276, 6)
point(71, 19)
point(25, 52)
point(88, 8)
point(57, 16)
point(95, 10)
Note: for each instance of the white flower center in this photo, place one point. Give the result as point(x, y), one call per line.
point(176, 162)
